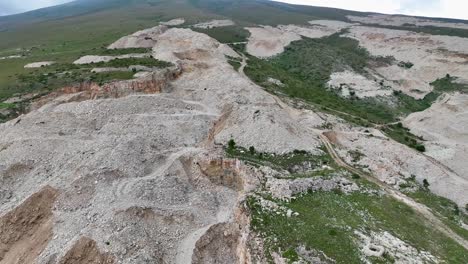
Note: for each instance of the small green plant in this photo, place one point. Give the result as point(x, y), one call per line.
point(291, 255)
point(252, 150)
point(466, 207)
point(406, 64)
point(426, 183)
point(356, 176)
point(456, 210)
point(231, 144)
point(420, 148)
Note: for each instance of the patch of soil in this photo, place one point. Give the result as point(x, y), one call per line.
point(26, 231)
point(85, 251)
point(218, 245)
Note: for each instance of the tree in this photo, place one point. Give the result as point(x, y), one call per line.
point(231, 144)
point(252, 150)
point(426, 183)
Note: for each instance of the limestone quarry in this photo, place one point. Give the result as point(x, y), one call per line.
point(196, 162)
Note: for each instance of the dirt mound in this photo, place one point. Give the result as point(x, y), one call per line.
point(218, 245)
point(141, 39)
point(85, 251)
point(25, 231)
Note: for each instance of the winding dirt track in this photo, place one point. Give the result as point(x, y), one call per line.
point(419, 208)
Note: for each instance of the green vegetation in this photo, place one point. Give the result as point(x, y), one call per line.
point(404, 136)
point(406, 64)
point(235, 62)
point(127, 62)
point(116, 52)
point(444, 31)
point(230, 34)
point(305, 68)
point(7, 106)
point(445, 209)
point(280, 162)
point(46, 79)
point(327, 221)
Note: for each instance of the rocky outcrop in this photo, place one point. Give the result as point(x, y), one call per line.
point(141, 39)
point(157, 82)
point(218, 245)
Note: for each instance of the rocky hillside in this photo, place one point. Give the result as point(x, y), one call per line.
point(231, 132)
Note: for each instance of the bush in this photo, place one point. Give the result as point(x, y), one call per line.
point(356, 176)
point(420, 148)
point(426, 183)
point(231, 144)
point(252, 150)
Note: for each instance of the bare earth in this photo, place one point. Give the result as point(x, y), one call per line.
point(444, 125)
point(389, 20)
point(433, 56)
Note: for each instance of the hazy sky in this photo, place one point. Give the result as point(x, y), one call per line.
point(433, 8)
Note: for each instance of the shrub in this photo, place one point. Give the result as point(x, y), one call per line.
point(231, 144)
point(420, 148)
point(252, 150)
point(456, 210)
point(356, 176)
point(426, 183)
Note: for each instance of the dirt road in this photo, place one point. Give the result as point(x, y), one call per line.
point(417, 207)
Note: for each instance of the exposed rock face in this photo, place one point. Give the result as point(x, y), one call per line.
point(85, 251)
point(349, 82)
point(286, 189)
point(27, 229)
point(157, 82)
point(141, 39)
point(378, 244)
point(218, 245)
